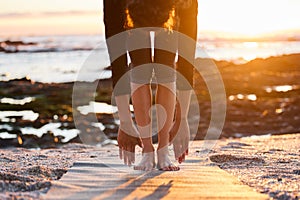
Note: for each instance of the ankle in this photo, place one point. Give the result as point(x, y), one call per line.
point(148, 149)
point(163, 147)
point(126, 123)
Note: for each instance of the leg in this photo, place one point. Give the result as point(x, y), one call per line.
point(114, 19)
point(128, 137)
point(142, 100)
point(165, 103)
point(165, 96)
point(180, 133)
point(141, 95)
point(188, 27)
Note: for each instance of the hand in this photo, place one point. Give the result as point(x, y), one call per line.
point(180, 137)
point(127, 145)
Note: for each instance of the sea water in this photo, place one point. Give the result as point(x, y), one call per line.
point(57, 59)
point(60, 58)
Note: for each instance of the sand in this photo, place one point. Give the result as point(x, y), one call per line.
point(269, 164)
point(26, 173)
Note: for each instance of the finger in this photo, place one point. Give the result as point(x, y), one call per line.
point(179, 152)
point(183, 157)
point(186, 148)
point(132, 158)
point(125, 157)
point(182, 154)
point(133, 154)
point(130, 147)
point(125, 153)
point(120, 153)
point(175, 148)
point(128, 158)
point(180, 160)
point(187, 152)
point(140, 143)
point(129, 162)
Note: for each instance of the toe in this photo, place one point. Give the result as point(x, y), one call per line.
point(148, 169)
point(170, 168)
point(139, 168)
point(165, 169)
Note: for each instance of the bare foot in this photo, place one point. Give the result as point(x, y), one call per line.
point(164, 161)
point(147, 163)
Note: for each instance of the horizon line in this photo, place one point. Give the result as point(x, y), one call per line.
point(202, 36)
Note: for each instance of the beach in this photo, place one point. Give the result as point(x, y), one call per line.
point(262, 98)
point(27, 173)
point(268, 164)
point(40, 141)
point(59, 121)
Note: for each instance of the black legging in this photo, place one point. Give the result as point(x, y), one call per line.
point(163, 61)
point(114, 20)
point(187, 26)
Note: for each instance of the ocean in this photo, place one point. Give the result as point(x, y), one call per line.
point(56, 59)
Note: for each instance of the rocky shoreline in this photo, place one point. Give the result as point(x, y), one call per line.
point(263, 98)
point(9, 46)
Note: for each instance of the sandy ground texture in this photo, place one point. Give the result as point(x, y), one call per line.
point(269, 164)
point(25, 173)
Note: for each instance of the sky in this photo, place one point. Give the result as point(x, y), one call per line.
point(244, 18)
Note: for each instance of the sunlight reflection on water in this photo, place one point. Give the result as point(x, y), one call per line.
point(17, 101)
point(281, 88)
point(55, 128)
point(97, 107)
point(7, 116)
point(6, 135)
point(250, 97)
point(68, 134)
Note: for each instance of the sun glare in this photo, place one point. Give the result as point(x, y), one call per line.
point(250, 45)
point(247, 18)
point(53, 24)
point(230, 18)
